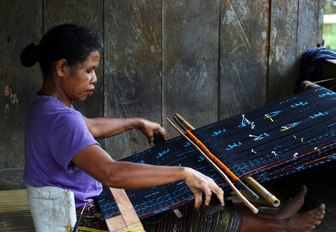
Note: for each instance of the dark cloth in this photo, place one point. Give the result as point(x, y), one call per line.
point(193, 220)
point(92, 217)
point(227, 220)
point(311, 64)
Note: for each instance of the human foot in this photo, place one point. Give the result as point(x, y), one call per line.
point(307, 221)
point(293, 206)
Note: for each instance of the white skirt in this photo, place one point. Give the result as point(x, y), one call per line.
point(53, 209)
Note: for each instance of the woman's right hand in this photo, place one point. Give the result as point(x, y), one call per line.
point(199, 183)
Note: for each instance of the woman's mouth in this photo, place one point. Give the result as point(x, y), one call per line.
point(90, 92)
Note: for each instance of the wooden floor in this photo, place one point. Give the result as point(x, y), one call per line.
point(15, 216)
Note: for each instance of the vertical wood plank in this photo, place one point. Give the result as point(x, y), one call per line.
point(244, 55)
point(88, 13)
point(15, 35)
point(308, 30)
point(132, 68)
point(203, 59)
point(283, 49)
point(190, 60)
point(320, 11)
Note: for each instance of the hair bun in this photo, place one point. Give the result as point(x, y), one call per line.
point(29, 56)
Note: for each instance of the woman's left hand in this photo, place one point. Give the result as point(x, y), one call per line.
point(148, 128)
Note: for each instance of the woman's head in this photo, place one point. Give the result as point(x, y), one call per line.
point(67, 41)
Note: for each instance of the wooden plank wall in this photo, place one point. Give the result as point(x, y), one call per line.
point(14, 35)
point(207, 60)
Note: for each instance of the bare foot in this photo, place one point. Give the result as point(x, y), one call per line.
point(302, 222)
point(291, 208)
point(307, 221)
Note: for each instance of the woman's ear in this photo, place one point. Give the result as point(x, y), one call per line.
point(61, 66)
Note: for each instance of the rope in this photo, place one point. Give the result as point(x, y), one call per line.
point(82, 228)
point(87, 229)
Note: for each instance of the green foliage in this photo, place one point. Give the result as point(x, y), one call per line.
point(329, 30)
point(329, 7)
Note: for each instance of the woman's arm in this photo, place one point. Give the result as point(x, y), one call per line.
point(118, 174)
point(107, 127)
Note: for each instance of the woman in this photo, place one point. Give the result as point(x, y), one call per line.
point(60, 146)
point(64, 161)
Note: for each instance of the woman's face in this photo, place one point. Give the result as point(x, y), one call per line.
point(79, 81)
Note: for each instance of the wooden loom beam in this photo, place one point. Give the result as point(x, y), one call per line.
point(234, 189)
point(269, 197)
point(128, 219)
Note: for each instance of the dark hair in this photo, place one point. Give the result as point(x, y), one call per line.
point(67, 41)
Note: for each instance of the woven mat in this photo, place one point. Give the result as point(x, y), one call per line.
point(14, 211)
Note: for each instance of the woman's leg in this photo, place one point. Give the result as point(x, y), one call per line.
point(304, 222)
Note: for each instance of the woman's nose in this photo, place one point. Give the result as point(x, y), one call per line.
point(94, 78)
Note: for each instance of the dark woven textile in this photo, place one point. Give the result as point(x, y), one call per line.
point(91, 217)
point(267, 143)
point(311, 64)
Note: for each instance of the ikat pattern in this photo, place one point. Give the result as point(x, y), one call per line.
point(276, 140)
